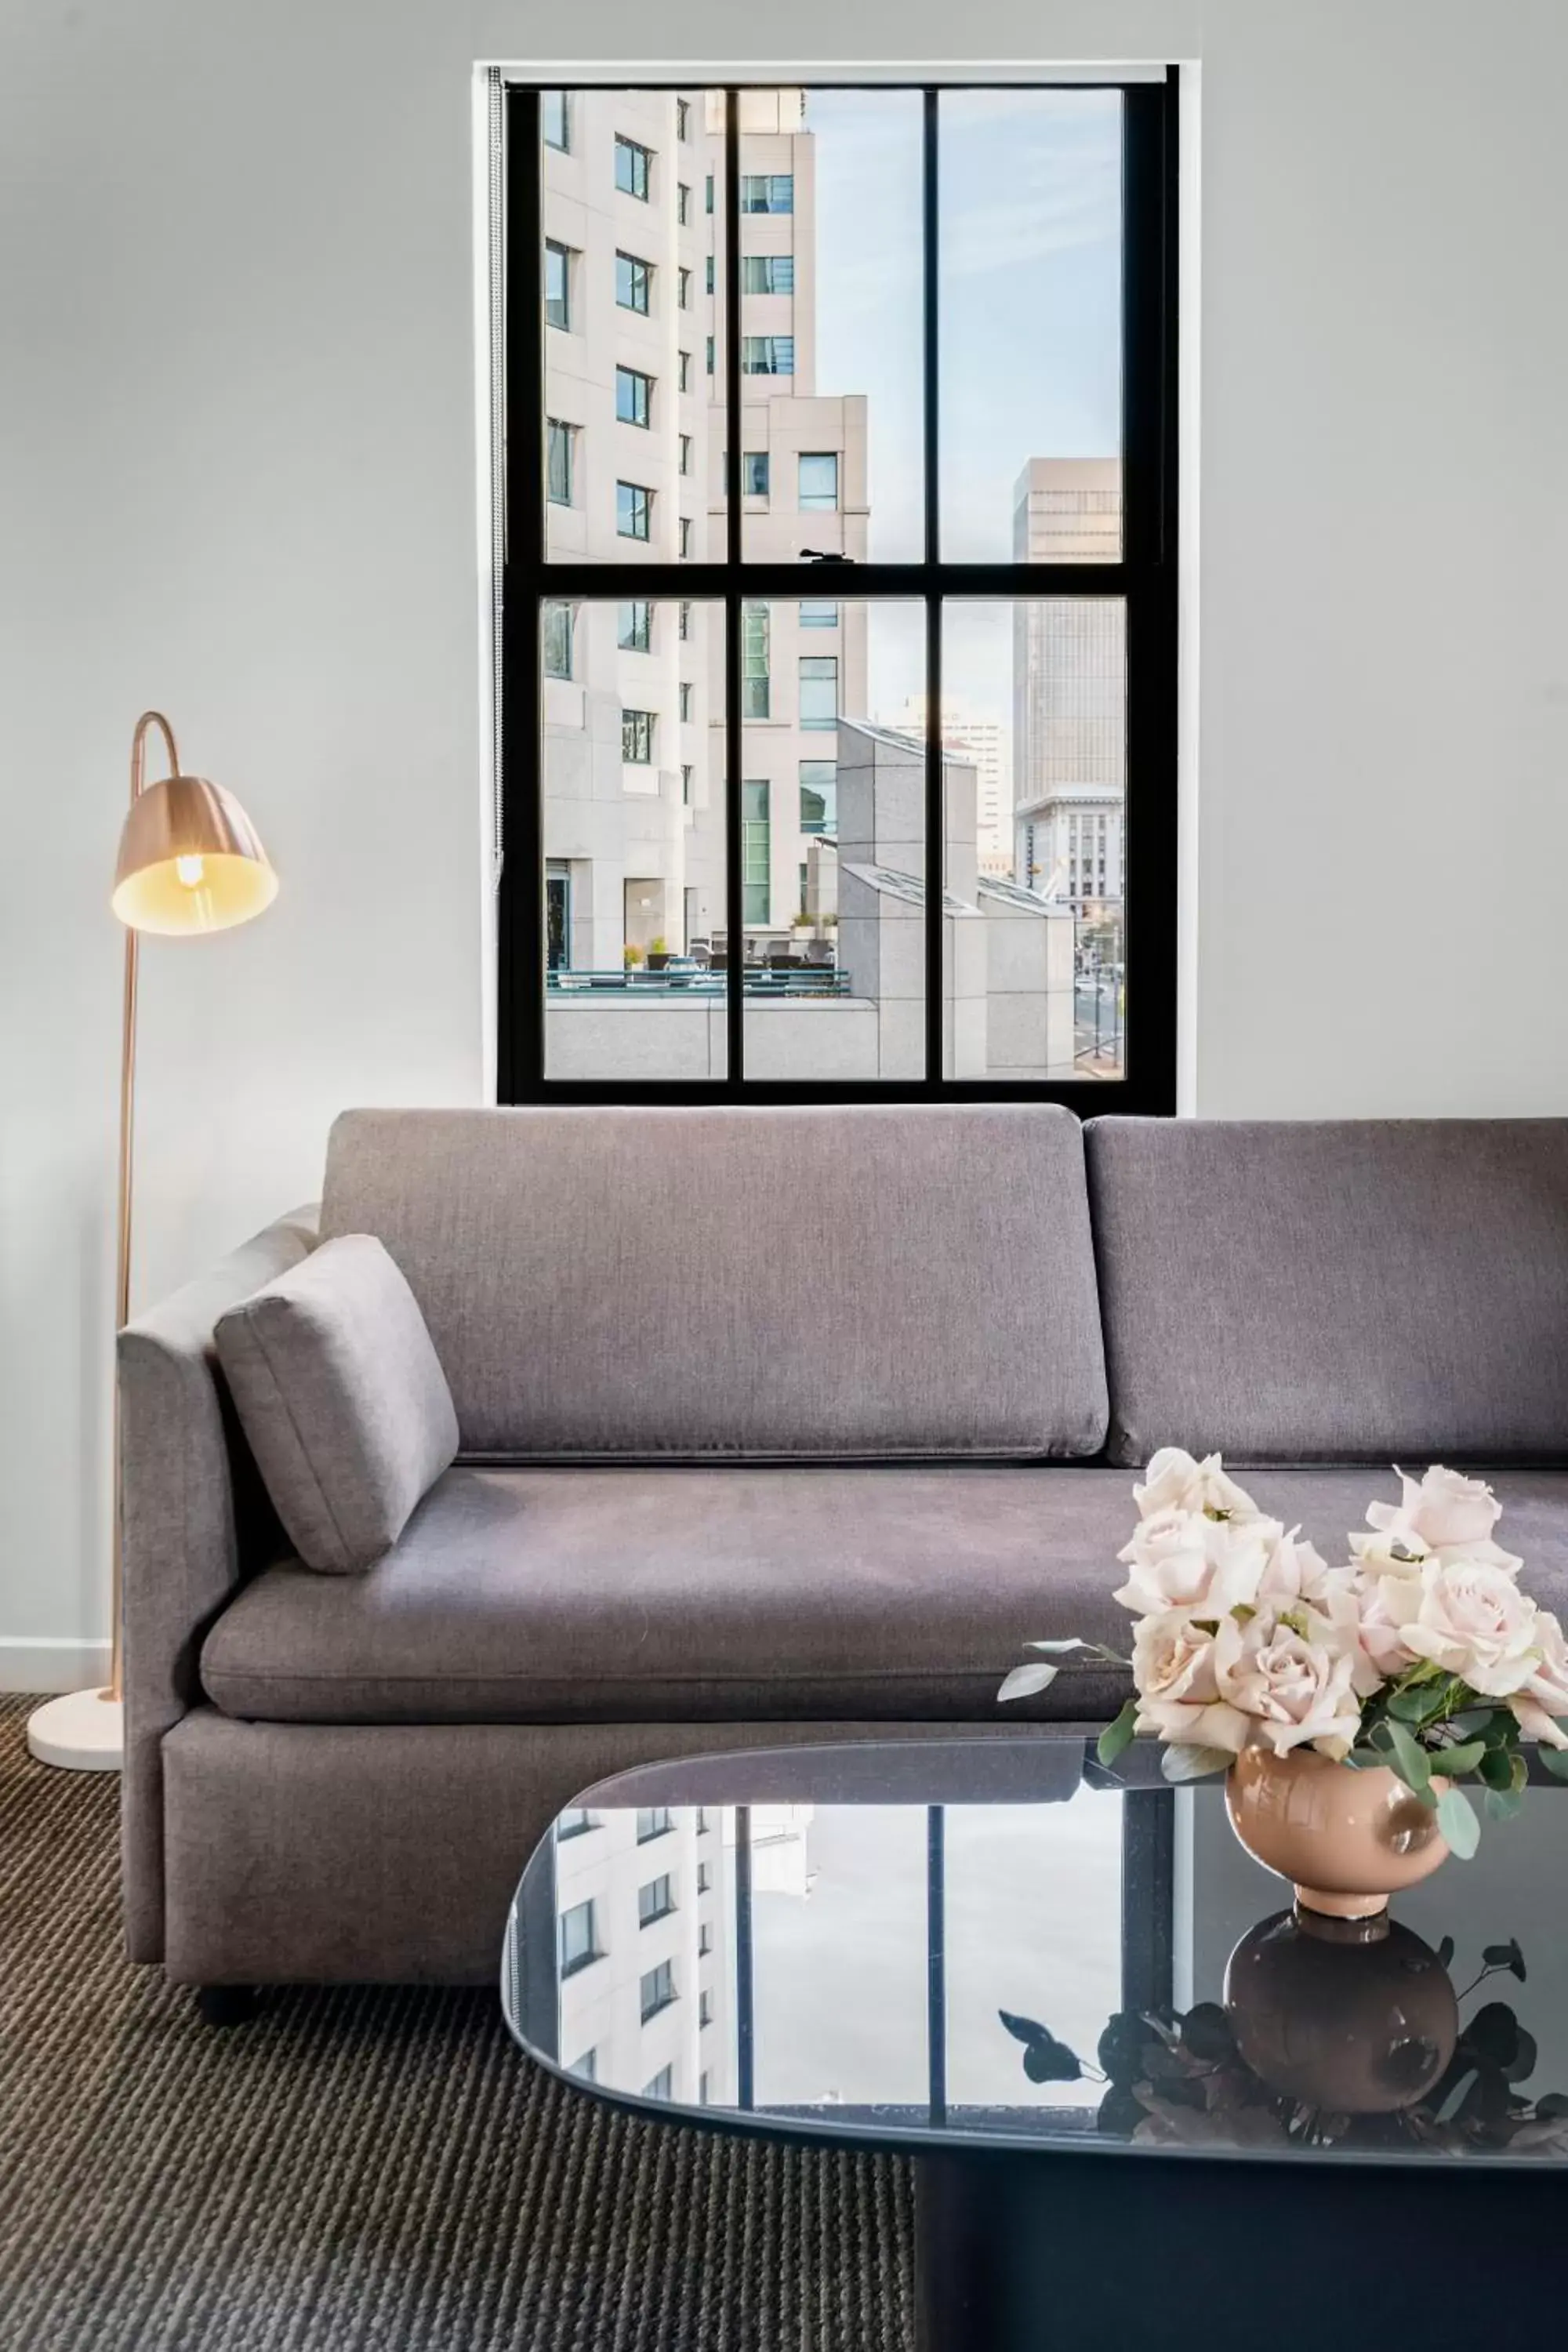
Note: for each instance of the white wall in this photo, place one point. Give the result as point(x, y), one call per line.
point(237, 452)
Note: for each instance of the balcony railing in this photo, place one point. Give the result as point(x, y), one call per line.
point(702, 980)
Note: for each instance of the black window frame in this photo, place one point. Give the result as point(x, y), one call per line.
point(1143, 580)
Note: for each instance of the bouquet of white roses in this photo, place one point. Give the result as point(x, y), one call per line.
point(1421, 1652)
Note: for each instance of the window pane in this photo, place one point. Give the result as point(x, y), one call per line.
point(1034, 724)
point(558, 640)
point(634, 841)
point(1030, 293)
point(627, 250)
point(834, 854)
point(820, 482)
point(556, 116)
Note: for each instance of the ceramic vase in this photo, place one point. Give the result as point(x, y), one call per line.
point(1345, 1839)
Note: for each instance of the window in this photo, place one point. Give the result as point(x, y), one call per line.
point(555, 118)
point(704, 1877)
point(767, 192)
point(635, 631)
point(634, 510)
point(683, 289)
point(755, 689)
point(655, 1901)
point(818, 481)
point(686, 698)
point(558, 653)
point(704, 1820)
point(559, 462)
point(704, 2007)
point(683, 117)
point(709, 287)
point(703, 2098)
point(653, 1821)
point(756, 851)
point(632, 168)
point(558, 286)
point(634, 282)
point(819, 689)
point(1046, 583)
point(658, 1989)
point(662, 2085)
point(578, 1820)
point(585, 2068)
point(704, 1938)
point(819, 796)
point(579, 1939)
point(767, 273)
point(636, 737)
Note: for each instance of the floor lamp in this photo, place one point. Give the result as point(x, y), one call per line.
point(190, 861)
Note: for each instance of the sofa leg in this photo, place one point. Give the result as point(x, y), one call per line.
point(227, 2004)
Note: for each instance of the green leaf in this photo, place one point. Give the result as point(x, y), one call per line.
point(1460, 1759)
point(1506, 1956)
point(1445, 1952)
point(1521, 1772)
point(1502, 1804)
point(1555, 1760)
point(1409, 1757)
point(1456, 1820)
point(1410, 1705)
point(1471, 1722)
point(1118, 1735)
point(1496, 1769)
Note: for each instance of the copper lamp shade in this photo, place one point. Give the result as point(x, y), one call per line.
point(190, 860)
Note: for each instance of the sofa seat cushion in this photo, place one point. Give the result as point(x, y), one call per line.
point(549, 1595)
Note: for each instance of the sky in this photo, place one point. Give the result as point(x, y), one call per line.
point(1029, 323)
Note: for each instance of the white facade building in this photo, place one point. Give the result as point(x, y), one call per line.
point(980, 740)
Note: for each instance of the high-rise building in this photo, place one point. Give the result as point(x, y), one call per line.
point(1070, 691)
point(633, 715)
point(981, 739)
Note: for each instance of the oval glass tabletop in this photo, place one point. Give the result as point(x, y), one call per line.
point(933, 1943)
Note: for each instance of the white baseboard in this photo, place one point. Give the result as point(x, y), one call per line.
point(37, 1663)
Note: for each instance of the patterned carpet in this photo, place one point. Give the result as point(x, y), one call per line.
point(375, 2168)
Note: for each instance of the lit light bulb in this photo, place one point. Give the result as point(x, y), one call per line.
point(190, 870)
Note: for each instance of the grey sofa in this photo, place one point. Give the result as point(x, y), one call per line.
point(777, 1425)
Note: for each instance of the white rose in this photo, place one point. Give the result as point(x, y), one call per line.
point(1175, 1482)
point(1173, 1674)
point(1373, 1607)
point(1440, 1511)
point(1294, 1687)
point(1294, 1572)
point(1182, 1560)
point(1545, 1695)
point(1472, 1619)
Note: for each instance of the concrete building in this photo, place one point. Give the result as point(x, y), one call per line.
point(634, 710)
point(980, 739)
point(1069, 692)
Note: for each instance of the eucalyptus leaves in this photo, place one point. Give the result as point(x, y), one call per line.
point(1421, 1654)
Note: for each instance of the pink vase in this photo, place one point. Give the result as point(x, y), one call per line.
point(1346, 1840)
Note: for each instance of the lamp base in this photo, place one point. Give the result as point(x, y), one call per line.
point(84, 1731)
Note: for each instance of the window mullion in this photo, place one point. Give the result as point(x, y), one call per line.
point(734, 728)
point(935, 824)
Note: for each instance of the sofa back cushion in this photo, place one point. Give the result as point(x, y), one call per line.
point(1340, 1290)
point(756, 1283)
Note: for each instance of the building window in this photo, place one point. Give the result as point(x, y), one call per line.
point(686, 698)
point(634, 282)
point(634, 510)
point(819, 613)
point(585, 2068)
point(767, 354)
point(633, 397)
point(709, 355)
point(636, 737)
point(683, 117)
point(653, 1821)
point(754, 473)
point(704, 1877)
point(576, 1820)
point(756, 851)
point(632, 167)
point(557, 286)
point(558, 663)
point(704, 2007)
point(819, 796)
point(655, 1901)
point(560, 467)
point(683, 370)
point(686, 788)
point(819, 691)
point(635, 632)
point(685, 448)
point(556, 115)
point(818, 481)
point(662, 2085)
point(754, 686)
point(658, 1989)
point(682, 205)
point(704, 1820)
point(686, 535)
point(767, 273)
point(703, 2098)
point(579, 1939)
point(767, 192)
point(683, 289)
point(704, 1938)
point(710, 275)
point(685, 623)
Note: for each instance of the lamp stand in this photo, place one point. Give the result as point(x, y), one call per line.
point(84, 1731)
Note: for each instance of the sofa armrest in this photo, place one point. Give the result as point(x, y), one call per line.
point(191, 1513)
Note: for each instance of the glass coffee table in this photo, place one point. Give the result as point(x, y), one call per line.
point(1142, 2095)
